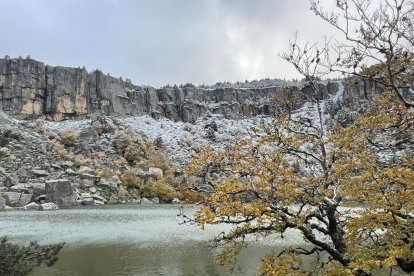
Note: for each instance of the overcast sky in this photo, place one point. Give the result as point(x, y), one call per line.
point(161, 42)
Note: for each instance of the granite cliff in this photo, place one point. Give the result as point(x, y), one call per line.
point(29, 89)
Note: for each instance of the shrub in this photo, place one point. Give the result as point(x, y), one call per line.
point(122, 192)
point(131, 145)
point(80, 160)
point(131, 180)
point(59, 150)
point(155, 159)
point(158, 189)
point(97, 126)
point(4, 152)
point(40, 126)
point(106, 174)
point(69, 137)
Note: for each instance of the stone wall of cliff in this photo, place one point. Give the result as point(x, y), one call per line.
point(29, 88)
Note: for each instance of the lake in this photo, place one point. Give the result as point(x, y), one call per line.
point(128, 240)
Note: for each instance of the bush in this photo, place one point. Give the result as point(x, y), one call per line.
point(97, 126)
point(69, 137)
point(155, 159)
point(4, 152)
point(131, 180)
point(131, 145)
point(158, 189)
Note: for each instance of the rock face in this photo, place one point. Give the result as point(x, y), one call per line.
point(15, 199)
point(29, 88)
point(60, 192)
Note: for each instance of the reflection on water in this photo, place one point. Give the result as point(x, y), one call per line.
point(124, 240)
point(123, 259)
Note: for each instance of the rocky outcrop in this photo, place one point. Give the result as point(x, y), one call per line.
point(29, 88)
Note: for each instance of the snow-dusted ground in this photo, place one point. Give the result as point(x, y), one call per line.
point(310, 109)
point(184, 140)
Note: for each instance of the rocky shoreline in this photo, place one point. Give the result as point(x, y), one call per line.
point(39, 170)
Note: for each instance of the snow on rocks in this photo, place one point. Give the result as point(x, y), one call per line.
point(184, 140)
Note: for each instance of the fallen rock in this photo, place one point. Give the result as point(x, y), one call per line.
point(20, 188)
point(2, 204)
point(98, 202)
point(60, 192)
point(67, 164)
point(99, 198)
point(85, 195)
point(155, 200)
point(69, 171)
point(38, 188)
point(85, 170)
point(145, 201)
point(39, 173)
point(175, 201)
point(92, 189)
point(156, 173)
point(90, 177)
point(49, 206)
point(32, 206)
point(87, 201)
point(14, 199)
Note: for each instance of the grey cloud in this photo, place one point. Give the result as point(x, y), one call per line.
point(160, 41)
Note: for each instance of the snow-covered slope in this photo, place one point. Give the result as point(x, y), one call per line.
point(184, 140)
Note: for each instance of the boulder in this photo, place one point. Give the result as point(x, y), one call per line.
point(90, 177)
point(60, 192)
point(49, 206)
point(14, 199)
point(69, 171)
point(85, 170)
point(23, 174)
point(175, 201)
point(99, 198)
point(20, 188)
point(38, 188)
point(146, 201)
point(87, 201)
point(67, 164)
point(112, 182)
point(85, 195)
point(155, 173)
point(2, 204)
point(8, 182)
point(92, 189)
point(156, 200)
point(98, 202)
point(39, 173)
point(32, 206)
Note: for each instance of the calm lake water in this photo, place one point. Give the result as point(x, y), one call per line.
point(127, 240)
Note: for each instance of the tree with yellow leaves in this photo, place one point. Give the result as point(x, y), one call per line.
point(347, 188)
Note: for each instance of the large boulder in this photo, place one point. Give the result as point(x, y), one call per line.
point(38, 188)
point(150, 173)
point(15, 199)
point(2, 203)
point(60, 192)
